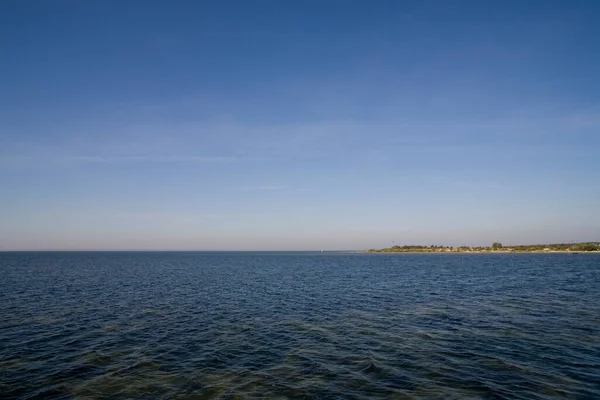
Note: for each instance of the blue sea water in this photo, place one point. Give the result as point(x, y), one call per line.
point(203, 325)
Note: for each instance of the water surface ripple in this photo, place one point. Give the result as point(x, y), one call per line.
point(299, 326)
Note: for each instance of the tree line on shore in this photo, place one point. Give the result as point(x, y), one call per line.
point(495, 247)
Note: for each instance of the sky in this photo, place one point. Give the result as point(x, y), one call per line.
point(280, 125)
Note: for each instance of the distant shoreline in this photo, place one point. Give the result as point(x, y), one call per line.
point(497, 247)
point(480, 252)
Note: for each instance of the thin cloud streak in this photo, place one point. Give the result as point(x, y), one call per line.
point(264, 188)
point(157, 143)
point(119, 159)
point(150, 159)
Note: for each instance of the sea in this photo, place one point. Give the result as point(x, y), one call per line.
point(299, 325)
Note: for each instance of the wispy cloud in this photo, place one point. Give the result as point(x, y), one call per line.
point(264, 188)
point(157, 216)
point(228, 140)
point(101, 159)
point(449, 181)
point(148, 159)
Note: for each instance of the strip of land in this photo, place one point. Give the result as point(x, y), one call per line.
point(495, 248)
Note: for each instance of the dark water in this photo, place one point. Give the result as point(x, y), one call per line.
point(299, 325)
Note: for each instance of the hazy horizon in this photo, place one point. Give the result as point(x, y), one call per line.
point(298, 126)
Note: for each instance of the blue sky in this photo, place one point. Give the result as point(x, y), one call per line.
point(277, 125)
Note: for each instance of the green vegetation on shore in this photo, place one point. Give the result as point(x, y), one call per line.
point(495, 247)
